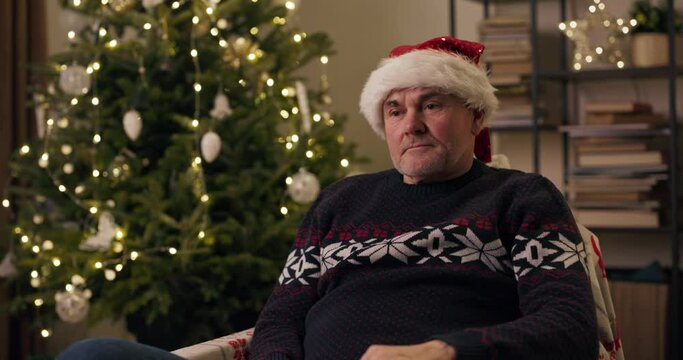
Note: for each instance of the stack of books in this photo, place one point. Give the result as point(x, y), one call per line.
point(508, 57)
point(617, 171)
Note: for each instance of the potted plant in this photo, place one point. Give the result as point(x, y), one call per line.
point(650, 44)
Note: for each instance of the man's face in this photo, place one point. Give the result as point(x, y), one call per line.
point(430, 135)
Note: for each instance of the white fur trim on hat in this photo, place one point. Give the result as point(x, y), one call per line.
point(446, 71)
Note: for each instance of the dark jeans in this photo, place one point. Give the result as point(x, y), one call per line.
point(113, 349)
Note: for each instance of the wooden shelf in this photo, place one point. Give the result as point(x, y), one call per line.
point(602, 74)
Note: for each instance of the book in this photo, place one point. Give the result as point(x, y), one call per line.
point(611, 196)
point(610, 129)
point(513, 67)
point(610, 147)
point(637, 205)
point(620, 158)
point(618, 106)
point(624, 118)
point(623, 218)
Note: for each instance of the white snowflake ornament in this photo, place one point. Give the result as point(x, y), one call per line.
point(221, 107)
point(132, 124)
point(7, 268)
point(210, 146)
point(72, 306)
point(106, 231)
point(74, 80)
point(304, 187)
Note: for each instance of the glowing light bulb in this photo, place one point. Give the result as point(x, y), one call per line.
point(25, 150)
point(324, 59)
point(284, 114)
point(201, 234)
point(134, 255)
point(93, 210)
point(5, 203)
point(344, 163)
point(56, 262)
point(204, 198)
point(147, 26)
point(172, 251)
point(96, 139)
point(45, 333)
point(270, 82)
point(284, 210)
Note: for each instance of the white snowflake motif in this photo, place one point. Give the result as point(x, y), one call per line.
point(571, 252)
point(533, 254)
point(334, 253)
point(301, 265)
point(394, 247)
point(436, 243)
point(490, 253)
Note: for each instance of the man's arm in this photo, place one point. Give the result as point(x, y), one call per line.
point(558, 313)
point(280, 327)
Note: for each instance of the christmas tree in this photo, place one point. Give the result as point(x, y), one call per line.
point(178, 154)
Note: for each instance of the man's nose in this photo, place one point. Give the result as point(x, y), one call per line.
point(414, 123)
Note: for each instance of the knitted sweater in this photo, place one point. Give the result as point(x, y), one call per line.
point(490, 263)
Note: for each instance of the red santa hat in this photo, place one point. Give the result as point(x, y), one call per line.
point(446, 63)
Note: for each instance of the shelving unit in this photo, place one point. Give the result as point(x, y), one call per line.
point(566, 78)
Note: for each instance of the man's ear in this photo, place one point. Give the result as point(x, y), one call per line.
point(477, 121)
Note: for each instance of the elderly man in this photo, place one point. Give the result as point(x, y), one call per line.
point(441, 257)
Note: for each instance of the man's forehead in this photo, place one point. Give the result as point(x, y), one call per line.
point(397, 95)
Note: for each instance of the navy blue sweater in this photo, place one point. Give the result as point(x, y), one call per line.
point(490, 262)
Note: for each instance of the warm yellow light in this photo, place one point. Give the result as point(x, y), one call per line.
point(175, 5)
point(77, 3)
point(197, 160)
point(172, 251)
point(309, 154)
point(103, 32)
point(209, 10)
point(297, 37)
point(295, 138)
point(289, 146)
point(38, 302)
point(34, 274)
point(324, 59)
point(289, 180)
point(74, 101)
point(48, 245)
point(284, 210)
point(344, 163)
point(118, 267)
point(562, 26)
point(96, 139)
point(214, 31)
point(223, 43)
point(195, 20)
point(95, 173)
point(93, 210)
point(134, 255)
point(24, 239)
point(253, 30)
point(98, 265)
point(197, 87)
point(25, 150)
point(290, 5)
point(620, 64)
point(62, 188)
point(193, 52)
point(69, 287)
point(113, 43)
point(251, 57)
point(284, 114)
point(195, 122)
point(5, 203)
point(204, 198)
point(96, 65)
point(56, 262)
point(45, 333)
point(71, 34)
point(147, 26)
point(201, 234)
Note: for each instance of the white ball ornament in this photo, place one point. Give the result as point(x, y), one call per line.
point(304, 187)
point(74, 80)
point(72, 306)
point(210, 146)
point(132, 124)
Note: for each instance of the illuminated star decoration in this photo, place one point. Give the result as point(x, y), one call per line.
point(597, 19)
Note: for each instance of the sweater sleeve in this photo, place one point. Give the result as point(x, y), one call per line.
point(279, 329)
point(557, 311)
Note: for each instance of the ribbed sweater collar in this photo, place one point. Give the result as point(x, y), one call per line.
point(395, 182)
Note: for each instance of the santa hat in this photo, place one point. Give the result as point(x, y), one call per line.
point(446, 63)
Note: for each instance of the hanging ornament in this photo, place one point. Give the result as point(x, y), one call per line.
point(41, 108)
point(122, 5)
point(221, 107)
point(151, 4)
point(304, 108)
point(73, 306)
point(239, 48)
point(74, 80)
point(106, 230)
point(132, 124)
point(7, 268)
point(599, 23)
point(304, 187)
point(210, 146)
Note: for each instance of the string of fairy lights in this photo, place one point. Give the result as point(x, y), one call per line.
point(80, 81)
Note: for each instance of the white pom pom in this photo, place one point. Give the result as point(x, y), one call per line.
point(211, 146)
point(132, 124)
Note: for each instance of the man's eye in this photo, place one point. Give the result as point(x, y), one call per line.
point(394, 113)
point(432, 106)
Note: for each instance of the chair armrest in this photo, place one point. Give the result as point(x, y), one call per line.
point(234, 346)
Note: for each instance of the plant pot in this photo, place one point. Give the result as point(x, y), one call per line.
point(652, 49)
